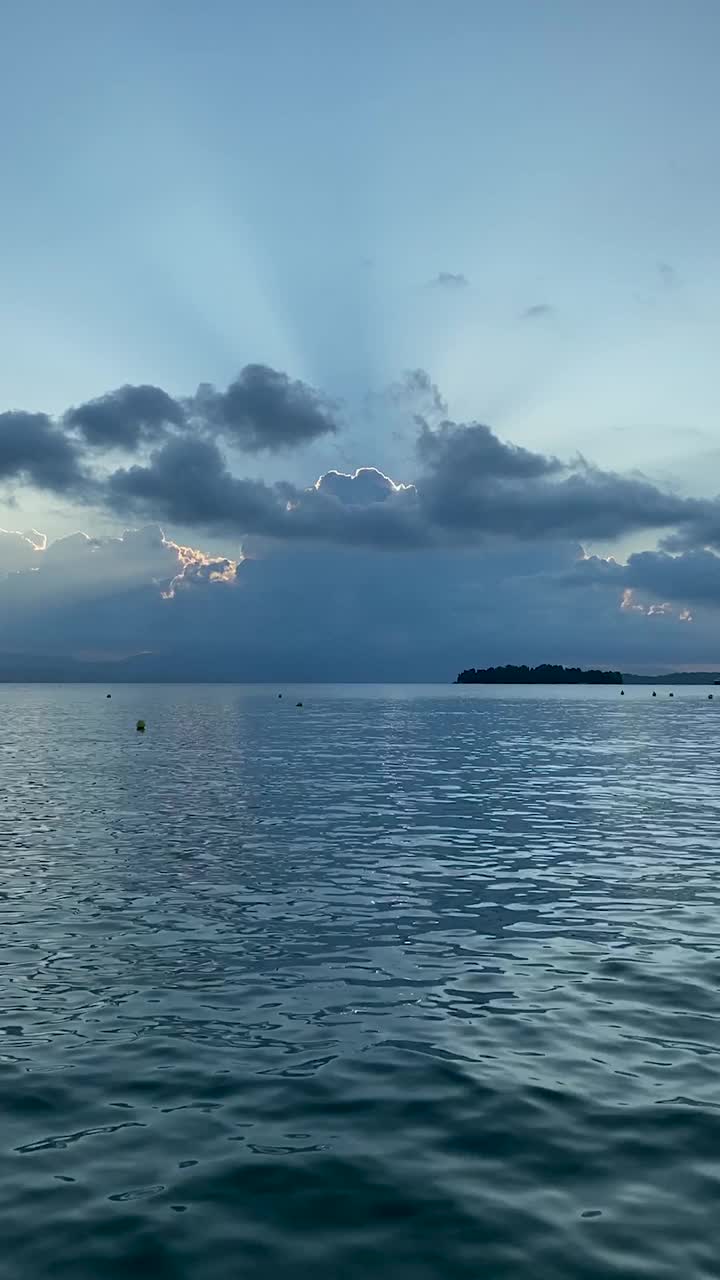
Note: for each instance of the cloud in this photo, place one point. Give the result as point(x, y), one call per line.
point(455, 449)
point(34, 450)
point(188, 482)
point(19, 551)
point(691, 578)
point(363, 487)
point(83, 593)
point(262, 409)
point(364, 509)
point(469, 485)
point(289, 611)
point(538, 312)
point(700, 532)
point(125, 418)
point(450, 280)
point(481, 552)
point(417, 392)
point(265, 409)
point(393, 413)
point(473, 482)
point(137, 556)
point(668, 275)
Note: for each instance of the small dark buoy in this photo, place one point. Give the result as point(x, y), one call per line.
point(279, 695)
point(298, 704)
point(654, 694)
point(709, 697)
point(108, 695)
point(140, 726)
point(671, 695)
point(622, 693)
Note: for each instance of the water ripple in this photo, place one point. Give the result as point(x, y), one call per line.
point(418, 982)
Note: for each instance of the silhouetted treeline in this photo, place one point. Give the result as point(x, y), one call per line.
point(546, 673)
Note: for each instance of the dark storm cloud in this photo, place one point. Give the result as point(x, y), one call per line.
point(295, 611)
point(538, 311)
point(692, 578)
point(455, 449)
point(595, 571)
point(187, 481)
point(473, 482)
point(123, 419)
point(450, 280)
point(262, 409)
point(265, 409)
point(365, 509)
point(699, 533)
point(472, 486)
point(33, 449)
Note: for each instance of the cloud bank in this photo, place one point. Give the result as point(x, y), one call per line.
point(304, 611)
point(473, 556)
point(469, 484)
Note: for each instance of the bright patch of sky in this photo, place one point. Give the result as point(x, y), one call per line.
point(521, 198)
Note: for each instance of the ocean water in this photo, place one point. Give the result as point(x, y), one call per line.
point(407, 982)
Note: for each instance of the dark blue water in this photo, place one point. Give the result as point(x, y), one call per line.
point(404, 983)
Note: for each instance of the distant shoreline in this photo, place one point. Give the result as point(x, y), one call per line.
point(181, 669)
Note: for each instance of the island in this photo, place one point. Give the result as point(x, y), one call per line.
point(546, 673)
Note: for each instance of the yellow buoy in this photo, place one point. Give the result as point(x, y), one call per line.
point(140, 726)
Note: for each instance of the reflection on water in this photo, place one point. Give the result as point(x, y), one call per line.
point(413, 982)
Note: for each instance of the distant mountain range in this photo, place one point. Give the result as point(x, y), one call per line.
point(675, 677)
point(140, 668)
point(185, 668)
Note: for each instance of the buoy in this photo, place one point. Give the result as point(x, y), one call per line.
point(298, 704)
point(108, 695)
point(140, 726)
point(279, 695)
point(622, 693)
point(671, 695)
point(709, 697)
point(654, 694)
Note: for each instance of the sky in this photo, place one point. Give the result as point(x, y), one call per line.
point(360, 341)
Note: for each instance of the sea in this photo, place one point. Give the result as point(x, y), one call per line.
point(404, 982)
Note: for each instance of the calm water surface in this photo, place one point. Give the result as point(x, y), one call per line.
point(406, 983)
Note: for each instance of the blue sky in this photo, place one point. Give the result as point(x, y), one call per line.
point(191, 188)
